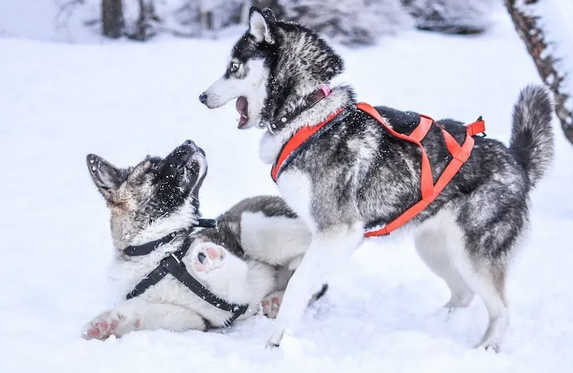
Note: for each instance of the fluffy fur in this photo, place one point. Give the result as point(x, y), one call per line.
point(247, 259)
point(357, 176)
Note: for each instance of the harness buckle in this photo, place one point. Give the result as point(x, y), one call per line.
point(172, 255)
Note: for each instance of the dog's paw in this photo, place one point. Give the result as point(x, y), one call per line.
point(271, 304)
point(275, 339)
point(108, 324)
point(206, 258)
point(489, 345)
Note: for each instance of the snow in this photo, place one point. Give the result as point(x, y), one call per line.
point(123, 100)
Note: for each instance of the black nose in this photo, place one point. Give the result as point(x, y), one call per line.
point(201, 257)
point(203, 97)
point(190, 143)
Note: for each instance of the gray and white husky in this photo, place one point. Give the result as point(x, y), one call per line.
point(246, 260)
point(355, 175)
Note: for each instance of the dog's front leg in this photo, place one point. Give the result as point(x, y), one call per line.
point(139, 314)
point(328, 250)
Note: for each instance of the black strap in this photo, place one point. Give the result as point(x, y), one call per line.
point(206, 223)
point(174, 265)
point(148, 247)
point(309, 101)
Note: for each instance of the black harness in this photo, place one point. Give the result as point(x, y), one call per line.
point(173, 265)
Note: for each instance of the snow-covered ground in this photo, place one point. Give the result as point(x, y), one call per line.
point(123, 100)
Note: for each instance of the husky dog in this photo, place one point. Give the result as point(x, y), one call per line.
point(355, 175)
point(246, 260)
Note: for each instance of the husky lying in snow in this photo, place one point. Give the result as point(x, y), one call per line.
point(354, 175)
point(246, 261)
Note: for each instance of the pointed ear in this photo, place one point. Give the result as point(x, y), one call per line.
point(269, 15)
point(106, 176)
point(260, 25)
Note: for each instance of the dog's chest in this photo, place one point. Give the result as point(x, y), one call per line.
point(296, 189)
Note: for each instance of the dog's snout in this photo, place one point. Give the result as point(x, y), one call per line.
point(203, 97)
point(190, 144)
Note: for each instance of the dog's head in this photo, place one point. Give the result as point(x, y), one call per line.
point(154, 198)
point(272, 63)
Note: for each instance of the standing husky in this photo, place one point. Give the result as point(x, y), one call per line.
point(355, 175)
point(170, 271)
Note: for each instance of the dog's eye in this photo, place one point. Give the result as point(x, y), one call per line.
point(234, 67)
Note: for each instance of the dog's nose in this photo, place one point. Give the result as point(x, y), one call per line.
point(203, 98)
point(191, 144)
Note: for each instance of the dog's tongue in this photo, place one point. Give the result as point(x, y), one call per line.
point(242, 106)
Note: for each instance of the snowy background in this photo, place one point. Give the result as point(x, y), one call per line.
point(124, 100)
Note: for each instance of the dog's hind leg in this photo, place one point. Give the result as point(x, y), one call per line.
point(439, 242)
point(443, 244)
point(488, 283)
point(140, 314)
point(328, 250)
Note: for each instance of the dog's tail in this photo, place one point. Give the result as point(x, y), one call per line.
point(531, 136)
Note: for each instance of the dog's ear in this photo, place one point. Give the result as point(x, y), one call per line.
point(260, 25)
point(106, 176)
point(269, 14)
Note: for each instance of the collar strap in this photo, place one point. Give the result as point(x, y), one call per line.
point(148, 247)
point(309, 101)
point(173, 265)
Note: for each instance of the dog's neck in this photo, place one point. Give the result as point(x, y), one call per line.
point(177, 221)
point(271, 143)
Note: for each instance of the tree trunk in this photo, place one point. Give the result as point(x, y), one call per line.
point(144, 25)
point(529, 29)
point(112, 18)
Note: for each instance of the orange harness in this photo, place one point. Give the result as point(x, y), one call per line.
point(430, 191)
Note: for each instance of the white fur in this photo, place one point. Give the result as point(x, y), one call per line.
point(296, 190)
point(171, 305)
point(252, 86)
point(259, 28)
point(273, 240)
point(440, 243)
point(328, 250)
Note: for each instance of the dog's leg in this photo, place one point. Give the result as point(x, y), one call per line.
point(328, 250)
point(138, 314)
point(488, 283)
point(439, 243)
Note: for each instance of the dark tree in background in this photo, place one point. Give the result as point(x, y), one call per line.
point(112, 20)
point(143, 28)
point(351, 22)
point(528, 26)
point(462, 17)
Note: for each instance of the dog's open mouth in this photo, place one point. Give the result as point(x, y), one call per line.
point(242, 106)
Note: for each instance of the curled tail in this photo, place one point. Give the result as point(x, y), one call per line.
point(531, 136)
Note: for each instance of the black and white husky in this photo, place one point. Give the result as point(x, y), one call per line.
point(355, 175)
point(245, 261)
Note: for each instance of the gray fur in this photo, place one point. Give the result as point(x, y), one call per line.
point(159, 196)
point(360, 175)
point(228, 231)
point(531, 136)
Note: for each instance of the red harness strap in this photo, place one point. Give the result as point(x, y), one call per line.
point(429, 190)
